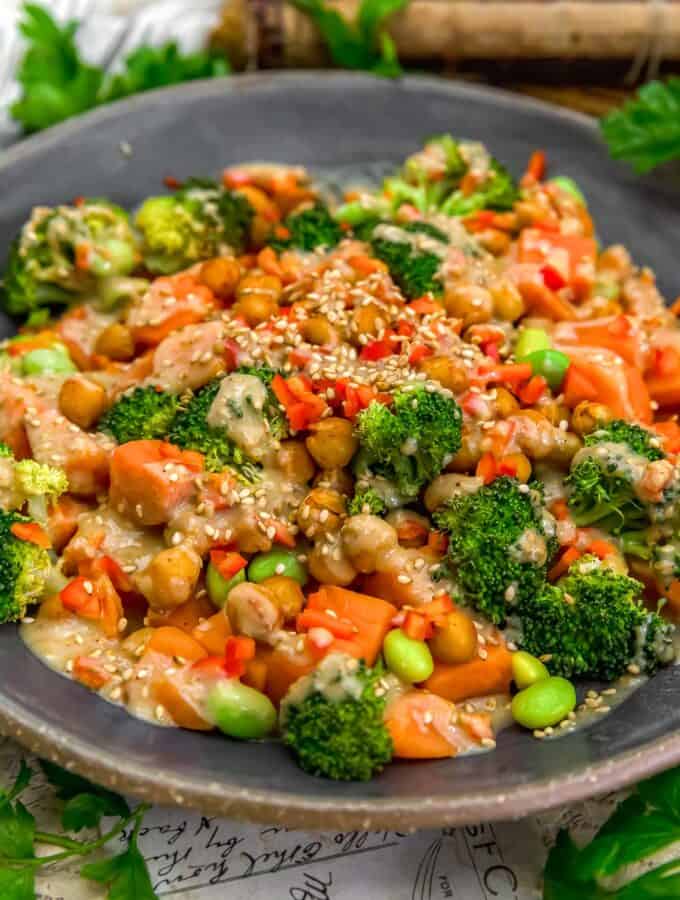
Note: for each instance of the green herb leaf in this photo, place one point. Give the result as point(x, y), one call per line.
point(17, 883)
point(645, 131)
point(17, 832)
point(86, 803)
point(126, 874)
point(663, 792)
point(22, 780)
point(560, 877)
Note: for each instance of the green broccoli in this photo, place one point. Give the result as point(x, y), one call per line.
point(5, 451)
point(24, 568)
point(413, 254)
point(273, 411)
point(592, 624)
point(602, 478)
point(146, 413)
point(190, 431)
point(65, 252)
point(366, 500)
point(496, 191)
point(410, 441)
point(308, 229)
point(197, 222)
point(39, 486)
point(501, 541)
point(332, 719)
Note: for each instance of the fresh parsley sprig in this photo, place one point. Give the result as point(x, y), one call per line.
point(363, 44)
point(85, 805)
point(644, 824)
point(645, 131)
point(56, 83)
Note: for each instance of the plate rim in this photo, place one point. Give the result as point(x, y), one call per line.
point(294, 809)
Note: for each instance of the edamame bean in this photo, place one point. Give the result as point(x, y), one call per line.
point(569, 186)
point(527, 670)
point(544, 703)
point(353, 213)
point(53, 360)
point(239, 710)
point(276, 562)
point(551, 364)
point(409, 659)
point(529, 341)
point(218, 586)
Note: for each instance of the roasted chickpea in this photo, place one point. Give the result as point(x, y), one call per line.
point(332, 442)
point(507, 301)
point(566, 447)
point(450, 374)
point(519, 464)
point(366, 539)
point(221, 275)
point(318, 330)
point(257, 297)
point(286, 594)
point(322, 512)
point(253, 611)
point(554, 412)
point(456, 641)
point(172, 576)
point(82, 401)
point(469, 453)
point(294, 461)
point(494, 240)
point(368, 319)
point(469, 302)
point(615, 259)
point(338, 480)
point(505, 403)
point(261, 202)
point(116, 342)
point(589, 416)
point(135, 643)
point(329, 565)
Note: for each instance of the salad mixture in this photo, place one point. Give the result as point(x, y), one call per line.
point(379, 476)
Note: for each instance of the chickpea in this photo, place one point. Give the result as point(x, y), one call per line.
point(507, 301)
point(566, 447)
point(469, 453)
point(318, 330)
point(445, 487)
point(505, 403)
point(295, 462)
point(456, 641)
point(554, 412)
point(252, 611)
point(116, 342)
point(329, 565)
point(172, 576)
point(472, 304)
point(589, 416)
point(494, 240)
point(368, 319)
point(332, 442)
point(450, 374)
point(519, 464)
point(336, 479)
point(82, 401)
point(260, 230)
point(286, 594)
point(257, 297)
point(261, 202)
point(221, 275)
point(366, 539)
point(321, 512)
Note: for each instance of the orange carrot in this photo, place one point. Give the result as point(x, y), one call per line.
point(598, 374)
point(487, 469)
point(62, 520)
point(475, 678)
point(212, 633)
point(186, 616)
point(90, 672)
point(616, 333)
point(173, 642)
point(542, 301)
point(169, 694)
point(370, 615)
point(32, 533)
point(418, 723)
point(568, 557)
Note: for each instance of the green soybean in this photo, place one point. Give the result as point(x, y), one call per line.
point(47, 361)
point(544, 703)
point(529, 341)
point(527, 670)
point(277, 562)
point(570, 187)
point(218, 586)
point(239, 710)
point(551, 364)
point(409, 659)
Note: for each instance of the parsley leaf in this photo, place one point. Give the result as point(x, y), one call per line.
point(126, 875)
point(17, 831)
point(17, 883)
point(363, 44)
point(645, 131)
point(86, 803)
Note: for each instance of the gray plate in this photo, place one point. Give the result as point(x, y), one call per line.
point(348, 124)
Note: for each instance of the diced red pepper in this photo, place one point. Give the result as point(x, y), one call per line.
point(666, 361)
point(533, 390)
point(487, 469)
point(238, 652)
point(552, 277)
point(80, 597)
point(490, 349)
point(227, 562)
point(376, 350)
point(424, 306)
point(416, 626)
point(315, 618)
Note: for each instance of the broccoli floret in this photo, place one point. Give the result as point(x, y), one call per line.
point(65, 252)
point(413, 266)
point(39, 486)
point(333, 720)
point(272, 410)
point(308, 229)
point(144, 414)
point(496, 191)
point(592, 624)
point(199, 221)
point(601, 480)
point(190, 431)
point(366, 500)
point(5, 451)
point(24, 568)
point(410, 441)
point(501, 541)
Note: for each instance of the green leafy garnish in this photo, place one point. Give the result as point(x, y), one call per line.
point(642, 825)
point(645, 131)
point(56, 83)
point(363, 44)
point(85, 805)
